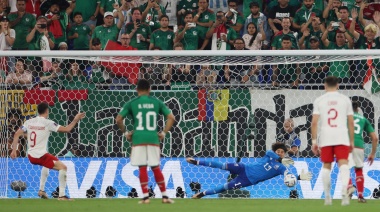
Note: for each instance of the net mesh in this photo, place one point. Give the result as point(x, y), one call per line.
point(228, 109)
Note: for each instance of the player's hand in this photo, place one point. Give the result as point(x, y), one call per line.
point(370, 159)
point(287, 161)
point(315, 149)
point(128, 135)
point(80, 116)
point(161, 135)
point(14, 154)
point(306, 175)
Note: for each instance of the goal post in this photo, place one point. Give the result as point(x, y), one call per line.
point(229, 106)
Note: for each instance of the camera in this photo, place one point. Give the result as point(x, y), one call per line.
point(43, 26)
point(335, 25)
point(192, 25)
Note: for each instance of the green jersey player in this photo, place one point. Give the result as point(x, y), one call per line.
point(144, 112)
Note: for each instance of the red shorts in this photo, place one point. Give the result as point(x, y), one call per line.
point(47, 160)
point(339, 151)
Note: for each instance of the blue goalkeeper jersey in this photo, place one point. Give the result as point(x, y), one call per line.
point(264, 169)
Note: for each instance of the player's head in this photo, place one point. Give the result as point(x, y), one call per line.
point(143, 86)
point(280, 149)
point(43, 109)
point(355, 106)
point(331, 83)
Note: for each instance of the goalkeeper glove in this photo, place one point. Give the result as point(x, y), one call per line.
point(287, 161)
point(305, 175)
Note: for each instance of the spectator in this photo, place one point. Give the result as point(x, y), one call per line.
point(366, 22)
point(331, 12)
point(89, 10)
point(272, 3)
point(182, 73)
point(154, 73)
point(188, 35)
point(183, 8)
point(207, 75)
point(282, 10)
point(276, 43)
point(163, 37)
point(290, 138)
point(109, 30)
point(305, 13)
point(55, 73)
point(58, 21)
point(344, 18)
point(126, 12)
point(151, 12)
point(95, 69)
point(80, 33)
point(63, 46)
point(22, 22)
point(75, 78)
point(4, 9)
point(7, 38)
point(204, 19)
point(351, 4)
point(254, 38)
point(368, 40)
point(234, 19)
point(317, 29)
point(222, 35)
point(258, 18)
point(33, 7)
point(339, 69)
point(13, 123)
point(246, 6)
point(138, 32)
point(170, 7)
point(108, 6)
point(20, 77)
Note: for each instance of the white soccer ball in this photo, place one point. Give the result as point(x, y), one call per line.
point(290, 180)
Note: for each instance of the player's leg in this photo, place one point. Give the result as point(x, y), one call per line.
point(43, 178)
point(350, 188)
point(212, 164)
point(47, 162)
point(139, 158)
point(358, 157)
point(62, 178)
point(341, 153)
point(327, 157)
point(154, 162)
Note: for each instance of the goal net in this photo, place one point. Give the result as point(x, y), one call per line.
point(230, 106)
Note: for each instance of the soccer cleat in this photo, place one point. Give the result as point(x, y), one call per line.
point(328, 201)
point(361, 200)
point(65, 198)
point(345, 200)
point(192, 161)
point(144, 200)
point(198, 195)
point(167, 200)
point(42, 194)
point(351, 190)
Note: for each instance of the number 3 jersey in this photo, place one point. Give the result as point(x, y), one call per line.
point(38, 130)
point(144, 111)
point(333, 109)
point(264, 169)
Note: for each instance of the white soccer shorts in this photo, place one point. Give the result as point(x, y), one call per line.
point(356, 158)
point(145, 155)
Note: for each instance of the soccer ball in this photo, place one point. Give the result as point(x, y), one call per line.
point(290, 180)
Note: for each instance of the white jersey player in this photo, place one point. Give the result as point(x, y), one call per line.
point(38, 130)
point(336, 139)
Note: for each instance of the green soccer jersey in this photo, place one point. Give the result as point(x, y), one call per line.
point(239, 20)
point(162, 39)
point(190, 39)
point(317, 34)
point(27, 23)
point(361, 124)
point(152, 16)
point(35, 43)
point(294, 3)
point(189, 5)
point(303, 15)
point(339, 69)
point(205, 17)
point(144, 112)
point(350, 4)
point(277, 39)
point(82, 42)
point(143, 30)
point(86, 7)
point(106, 33)
point(247, 10)
point(107, 5)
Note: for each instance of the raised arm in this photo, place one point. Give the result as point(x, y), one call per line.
point(16, 137)
point(354, 15)
point(68, 128)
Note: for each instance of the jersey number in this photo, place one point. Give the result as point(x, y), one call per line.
point(267, 167)
point(333, 114)
point(33, 138)
point(357, 126)
point(150, 121)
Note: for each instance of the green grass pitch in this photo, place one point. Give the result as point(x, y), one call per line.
point(183, 205)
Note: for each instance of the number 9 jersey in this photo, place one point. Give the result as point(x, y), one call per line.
point(333, 109)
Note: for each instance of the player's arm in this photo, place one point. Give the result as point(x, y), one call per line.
point(170, 119)
point(68, 128)
point(16, 137)
point(306, 176)
point(350, 120)
point(375, 142)
point(286, 161)
point(314, 130)
point(119, 122)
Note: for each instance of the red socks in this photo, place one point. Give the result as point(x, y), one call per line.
point(160, 180)
point(359, 181)
point(144, 180)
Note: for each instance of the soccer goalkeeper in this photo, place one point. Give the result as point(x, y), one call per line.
point(274, 163)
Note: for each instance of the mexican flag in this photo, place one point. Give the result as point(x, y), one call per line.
point(370, 83)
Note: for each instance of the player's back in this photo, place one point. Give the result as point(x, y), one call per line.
point(361, 124)
point(38, 130)
point(145, 111)
point(333, 109)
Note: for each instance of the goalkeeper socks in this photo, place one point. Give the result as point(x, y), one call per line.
point(44, 175)
point(62, 182)
point(160, 180)
point(212, 164)
point(216, 190)
point(326, 179)
point(143, 175)
point(359, 181)
point(344, 177)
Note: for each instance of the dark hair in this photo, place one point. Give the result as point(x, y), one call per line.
point(143, 85)
point(343, 8)
point(178, 45)
point(163, 16)
point(239, 39)
point(187, 13)
point(331, 81)
point(235, 1)
point(254, 34)
point(42, 107)
point(355, 106)
point(77, 13)
point(287, 18)
point(135, 8)
point(208, 1)
point(22, 0)
point(15, 112)
point(219, 12)
point(279, 145)
point(96, 41)
point(286, 37)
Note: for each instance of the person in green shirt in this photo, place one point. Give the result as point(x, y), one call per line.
point(151, 12)
point(204, 18)
point(22, 22)
point(307, 11)
point(39, 32)
point(294, 3)
point(138, 32)
point(109, 30)
point(108, 6)
point(246, 9)
point(361, 124)
point(183, 7)
point(188, 35)
point(75, 79)
point(80, 33)
point(89, 9)
point(331, 12)
point(277, 39)
point(311, 28)
point(163, 37)
point(144, 112)
point(234, 19)
point(220, 32)
point(351, 4)
point(340, 69)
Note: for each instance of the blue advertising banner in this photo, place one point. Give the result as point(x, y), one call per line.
point(117, 172)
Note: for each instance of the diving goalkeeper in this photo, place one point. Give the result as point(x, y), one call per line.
point(274, 163)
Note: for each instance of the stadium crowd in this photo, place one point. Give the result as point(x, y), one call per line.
point(183, 25)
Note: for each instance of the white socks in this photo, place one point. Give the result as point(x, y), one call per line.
point(43, 178)
point(326, 179)
point(62, 182)
point(344, 177)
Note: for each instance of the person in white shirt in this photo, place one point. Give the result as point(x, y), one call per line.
point(38, 130)
point(336, 136)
